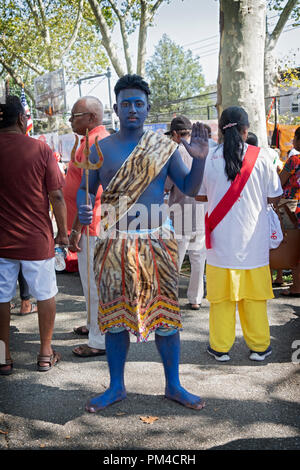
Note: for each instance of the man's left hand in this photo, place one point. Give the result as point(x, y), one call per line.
point(198, 146)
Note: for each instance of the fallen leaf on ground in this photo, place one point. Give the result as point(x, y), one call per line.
point(148, 419)
point(68, 437)
point(3, 432)
point(121, 413)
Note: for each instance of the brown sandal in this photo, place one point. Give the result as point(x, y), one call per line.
point(86, 351)
point(81, 331)
point(9, 370)
point(52, 360)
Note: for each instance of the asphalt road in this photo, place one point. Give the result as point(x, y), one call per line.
point(249, 405)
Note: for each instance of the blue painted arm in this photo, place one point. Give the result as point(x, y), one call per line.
point(189, 182)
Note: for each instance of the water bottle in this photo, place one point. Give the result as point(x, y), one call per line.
point(60, 255)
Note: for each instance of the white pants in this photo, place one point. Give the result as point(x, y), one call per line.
point(197, 256)
point(96, 339)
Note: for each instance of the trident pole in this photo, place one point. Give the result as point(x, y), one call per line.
point(87, 165)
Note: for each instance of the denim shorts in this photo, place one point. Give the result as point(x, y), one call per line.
point(40, 276)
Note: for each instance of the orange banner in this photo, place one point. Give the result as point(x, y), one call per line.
point(286, 135)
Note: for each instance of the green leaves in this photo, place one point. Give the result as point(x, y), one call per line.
point(35, 37)
point(173, 73)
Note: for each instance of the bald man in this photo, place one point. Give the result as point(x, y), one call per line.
point(87, 113)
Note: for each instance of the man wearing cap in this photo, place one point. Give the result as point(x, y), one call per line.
point(188, 218)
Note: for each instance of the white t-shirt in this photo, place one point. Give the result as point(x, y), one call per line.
point(275, 158)
point(293, 152)
point(241, 239)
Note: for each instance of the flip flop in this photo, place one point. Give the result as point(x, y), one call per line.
point(290, 294)
point(33, 309)
point(8, 371)
point(277, 284)
point(79, 331)
point(86, 351)
point(52, 360)
point(194, 306)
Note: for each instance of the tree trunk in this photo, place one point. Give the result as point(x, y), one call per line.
point(147, 13)
point(241, 61)
point(141, 55)
point(271, 77)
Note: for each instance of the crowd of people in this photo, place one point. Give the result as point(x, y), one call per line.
point(217, 196)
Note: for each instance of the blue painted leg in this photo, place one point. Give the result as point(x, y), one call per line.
point(169, 349)
point(117, 345)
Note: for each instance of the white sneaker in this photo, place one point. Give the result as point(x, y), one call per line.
point(221, 357)
point(260, 356)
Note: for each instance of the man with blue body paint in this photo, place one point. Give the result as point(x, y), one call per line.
point(136, 270)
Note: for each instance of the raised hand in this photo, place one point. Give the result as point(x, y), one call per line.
point(198, 146)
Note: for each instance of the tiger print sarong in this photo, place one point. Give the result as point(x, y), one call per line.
point(137, 273)
point(137, 280)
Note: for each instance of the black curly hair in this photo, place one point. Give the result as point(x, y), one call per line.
point(131, 81)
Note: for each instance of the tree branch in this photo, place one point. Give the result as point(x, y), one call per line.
point(41, 24)
point(147, 14)
point(45, 28)
point(155, 7)
point(21, 59)
point(122, 19)
point(75, 30)
point(273, 37)
point(46, 34)
point(106, 38)
point(33, 10)
point(17, 79)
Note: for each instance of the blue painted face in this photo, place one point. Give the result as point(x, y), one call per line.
point(132, 108)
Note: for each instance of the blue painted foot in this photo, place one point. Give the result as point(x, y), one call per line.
point(169, 349)
point(182, 396)
point(109, 397)
point(116, 345)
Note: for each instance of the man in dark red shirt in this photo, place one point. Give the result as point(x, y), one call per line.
point(29, 178)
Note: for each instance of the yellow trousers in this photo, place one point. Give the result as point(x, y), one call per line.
point(248, 289)
point(254, 323)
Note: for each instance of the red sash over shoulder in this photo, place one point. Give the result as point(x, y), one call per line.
point(232, 193)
